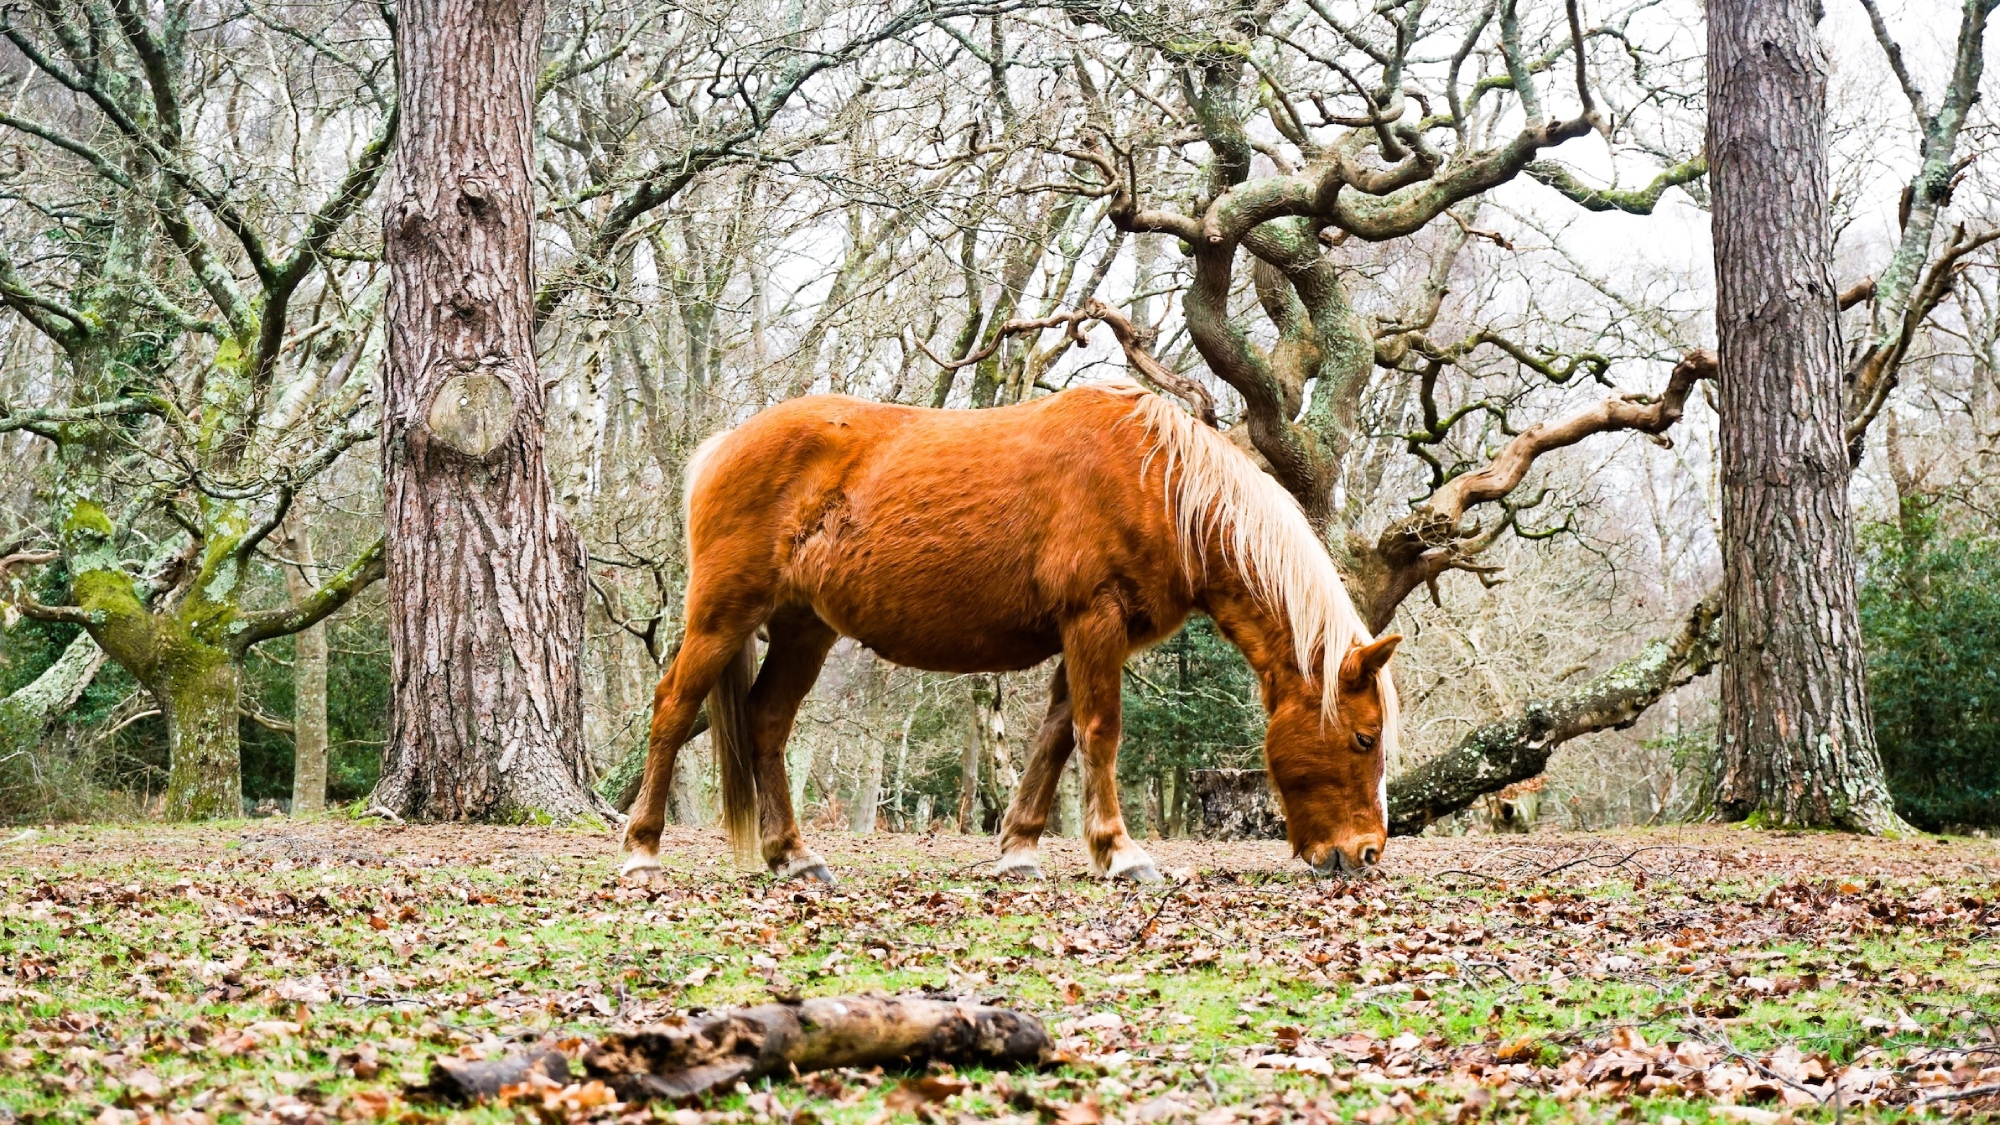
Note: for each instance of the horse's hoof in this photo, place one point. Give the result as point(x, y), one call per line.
point(639, 867)
point(1140, 873)
point(807, 869)
point(1026, 870)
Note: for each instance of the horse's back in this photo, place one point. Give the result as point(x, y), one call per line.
point(951, 539)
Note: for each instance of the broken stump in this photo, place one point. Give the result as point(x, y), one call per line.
point(1235, 805)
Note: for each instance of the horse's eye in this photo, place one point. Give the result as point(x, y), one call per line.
point(1365, 741)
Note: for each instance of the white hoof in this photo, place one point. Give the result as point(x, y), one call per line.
point(1022, 863)
point(638, 865)
point(806, 868)
point(1131, 863)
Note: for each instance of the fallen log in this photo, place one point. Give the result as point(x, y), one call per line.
point(688, 1057)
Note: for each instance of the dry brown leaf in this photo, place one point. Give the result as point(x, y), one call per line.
point(1085, 1112)
point(912, 1094)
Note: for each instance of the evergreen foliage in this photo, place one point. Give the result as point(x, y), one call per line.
point(1930, 614)
point(1190, 703)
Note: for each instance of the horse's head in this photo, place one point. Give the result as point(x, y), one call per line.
point(1331, 770)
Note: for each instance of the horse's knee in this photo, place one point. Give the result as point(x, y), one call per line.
point(1099, 735)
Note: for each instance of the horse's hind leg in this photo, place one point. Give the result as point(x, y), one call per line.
point(1028, 814)
point(705, 655)
point(1094, 649)
point(799, 644)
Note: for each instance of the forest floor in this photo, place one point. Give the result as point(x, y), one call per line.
point(305, 971)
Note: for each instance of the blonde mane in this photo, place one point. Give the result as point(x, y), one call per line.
point(1215, 488)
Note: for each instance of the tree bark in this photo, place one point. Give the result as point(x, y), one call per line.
point(867, 789)
point(1235, 805)
point(27, 713)
point(868, 783)
point(200, 690)
point(969, 759)
point(308, 686)
point(1066, 819)
point(684, 797)
point(999, 777)
point(485, 575)
point(1797, 743)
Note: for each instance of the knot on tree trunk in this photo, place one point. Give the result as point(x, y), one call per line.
point(472, 413)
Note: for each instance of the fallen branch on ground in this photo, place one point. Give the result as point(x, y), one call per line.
point(686, 1058)
point(691, 1057)
point(462, 1081)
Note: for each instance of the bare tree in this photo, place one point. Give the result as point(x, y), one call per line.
point(193, 406)
point(1797, 741)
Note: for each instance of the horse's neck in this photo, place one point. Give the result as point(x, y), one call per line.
point(1264, 637)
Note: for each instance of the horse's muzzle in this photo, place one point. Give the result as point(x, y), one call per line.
point(1338, 864)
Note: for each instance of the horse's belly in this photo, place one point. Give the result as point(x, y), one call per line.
point(940, 604)
point(957, 546)
point(943, 621)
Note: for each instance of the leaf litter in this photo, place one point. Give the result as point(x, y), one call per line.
point(311, 972)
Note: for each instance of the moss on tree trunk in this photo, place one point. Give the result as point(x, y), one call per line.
point(200, 691)
point(189, 651)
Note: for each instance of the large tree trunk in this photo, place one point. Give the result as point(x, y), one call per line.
point(200, 691)
point(485, 574)
point(308, 687)
point(1796, 739)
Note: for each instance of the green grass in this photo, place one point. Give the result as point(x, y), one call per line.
point(277, 971)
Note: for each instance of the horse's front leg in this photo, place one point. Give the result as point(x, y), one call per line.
point(1028, 813)
point(1094, 648)
point(799, 644)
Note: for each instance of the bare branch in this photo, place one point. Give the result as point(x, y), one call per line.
point(1516, 748)
point(335, 592)
point(1149, 368)
point(1894, 52)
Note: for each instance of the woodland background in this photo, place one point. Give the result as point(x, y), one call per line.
point(745, 202)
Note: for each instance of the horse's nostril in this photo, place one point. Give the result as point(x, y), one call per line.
point(1369, 855)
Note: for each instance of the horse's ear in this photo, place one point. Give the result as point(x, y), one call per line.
point(1364, 661)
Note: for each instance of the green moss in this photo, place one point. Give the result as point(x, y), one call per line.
point(87, 518)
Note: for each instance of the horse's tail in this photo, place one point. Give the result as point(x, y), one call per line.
point(729, 730)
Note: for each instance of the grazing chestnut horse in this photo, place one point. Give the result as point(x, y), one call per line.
point(1088, 523)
